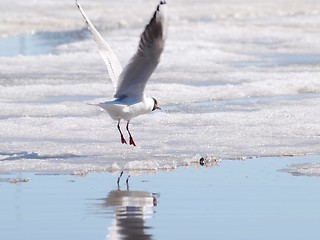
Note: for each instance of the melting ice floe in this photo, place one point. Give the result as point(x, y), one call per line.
point(304, 169)
point(237, 81)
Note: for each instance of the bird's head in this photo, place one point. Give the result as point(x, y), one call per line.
point(155, 106)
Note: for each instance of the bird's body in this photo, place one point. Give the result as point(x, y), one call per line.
point(129, 83)
point(127, 108)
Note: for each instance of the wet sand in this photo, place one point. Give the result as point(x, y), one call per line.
point(251, 199)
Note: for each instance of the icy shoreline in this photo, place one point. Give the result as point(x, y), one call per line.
point(231, 85)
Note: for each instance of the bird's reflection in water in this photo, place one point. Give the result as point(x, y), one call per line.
point(131, 209)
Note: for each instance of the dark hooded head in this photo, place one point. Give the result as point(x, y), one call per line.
point(155, 106)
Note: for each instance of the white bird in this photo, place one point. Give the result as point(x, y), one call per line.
point(130, 82)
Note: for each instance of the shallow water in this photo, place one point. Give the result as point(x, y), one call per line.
point(252, 199)
point(39, 43)
point(238, 104)
point(281, 59)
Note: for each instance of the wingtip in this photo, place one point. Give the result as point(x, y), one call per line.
point(77, 4)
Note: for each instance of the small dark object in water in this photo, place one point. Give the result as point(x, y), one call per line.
point(201, 161)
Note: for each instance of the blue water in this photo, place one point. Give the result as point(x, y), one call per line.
point(39, 43)
point(249, 199)
point(280, 59)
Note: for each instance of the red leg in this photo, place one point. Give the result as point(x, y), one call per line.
point(122, 138)
point(131, 138)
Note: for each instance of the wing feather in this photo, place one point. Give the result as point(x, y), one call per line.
point(134, 77)
point(110, 59)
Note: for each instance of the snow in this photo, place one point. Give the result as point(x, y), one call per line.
point(238, 79)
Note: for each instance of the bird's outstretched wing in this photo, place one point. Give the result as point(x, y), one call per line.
point(134, 77)
point(112, 62)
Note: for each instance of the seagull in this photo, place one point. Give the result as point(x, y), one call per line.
point(129, 84)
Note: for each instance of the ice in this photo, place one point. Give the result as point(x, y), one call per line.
point(238, 79)
point(304, 169)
